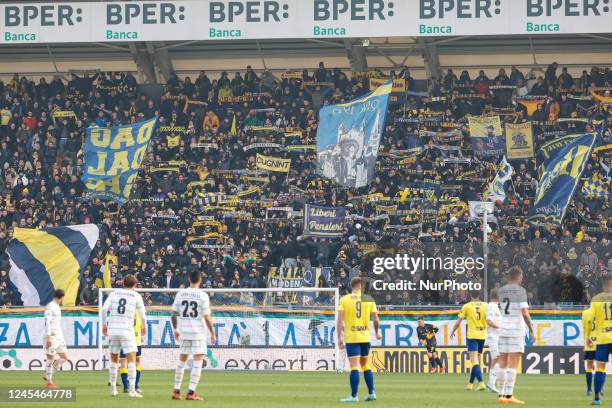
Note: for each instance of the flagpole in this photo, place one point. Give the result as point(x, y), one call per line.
point(485, 249)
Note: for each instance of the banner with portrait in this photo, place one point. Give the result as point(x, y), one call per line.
point(323, 221)
point(487, 136)
point(348, 138)
point(519, 141)
point(113, 157)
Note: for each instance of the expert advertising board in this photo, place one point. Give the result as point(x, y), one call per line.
point(184, 20)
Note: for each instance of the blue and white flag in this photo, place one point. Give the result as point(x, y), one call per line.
point(497, 189)
point(349, 136)
point(564, 162)
point(48, 259)
point(113, 157)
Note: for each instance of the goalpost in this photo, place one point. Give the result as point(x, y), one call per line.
point(282, 329)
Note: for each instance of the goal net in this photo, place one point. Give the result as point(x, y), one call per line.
point(256, 329)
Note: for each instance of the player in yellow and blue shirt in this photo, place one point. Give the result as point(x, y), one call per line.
point(475, 313)
point(123, 360)
point(354, 313)
point(601, 308)
point(588, 332)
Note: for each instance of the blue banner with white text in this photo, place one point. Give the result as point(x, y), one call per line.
point(113, 157)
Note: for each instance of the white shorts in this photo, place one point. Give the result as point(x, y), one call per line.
point(511, 344)
point(58, 345)
point(193, 347)
point(118, 343)
point(493, 345)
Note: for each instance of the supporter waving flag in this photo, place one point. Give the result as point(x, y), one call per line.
point(48, 259)
point(497, 187)
point(565, 161)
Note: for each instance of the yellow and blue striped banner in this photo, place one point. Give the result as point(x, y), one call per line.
point(49, 259)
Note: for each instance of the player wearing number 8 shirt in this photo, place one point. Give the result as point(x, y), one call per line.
point(601, 309)
point(118, 314)
point(191, 316)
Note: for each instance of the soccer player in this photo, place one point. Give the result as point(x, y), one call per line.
point(54, 345)
point(588, 331)
point(426, 334)
point(515, 315)
point(493, 323)
point(601, 307)
point(475, 314)
point(123, 360)
point(354, 313)
point(118, 314)
point(191, 316)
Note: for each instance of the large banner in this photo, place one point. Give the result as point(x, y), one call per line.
point(487, 137)
point(275, 164)
point(277, 328)
point(348, 138)
point(184, 20)
point(519, 141)
point(323, 221)
point(564, 162)
point(113, 157)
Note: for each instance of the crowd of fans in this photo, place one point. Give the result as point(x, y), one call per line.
point(204, 143)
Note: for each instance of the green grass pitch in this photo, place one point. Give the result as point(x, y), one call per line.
point(236, 389)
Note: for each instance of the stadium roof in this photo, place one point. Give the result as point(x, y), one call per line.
point(389, 52)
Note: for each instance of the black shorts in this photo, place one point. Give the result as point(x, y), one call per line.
point(589, 355)
point(431, 348)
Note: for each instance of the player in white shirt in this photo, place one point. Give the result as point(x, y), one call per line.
point(118, 314)
point(514, 317)
point(191, 316)
point(54, 345)
point(493, 317)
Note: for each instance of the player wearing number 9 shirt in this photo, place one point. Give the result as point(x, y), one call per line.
point(191, 316)
point(601, 308)
point(354, 313)
point(118, 314)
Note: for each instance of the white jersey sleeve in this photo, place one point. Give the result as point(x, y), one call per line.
point(494, 315)
point(513, 299)
point(191, 305)
point(120, 310)
point(53, 320)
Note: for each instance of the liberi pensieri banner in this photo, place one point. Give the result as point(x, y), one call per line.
point(101, 21)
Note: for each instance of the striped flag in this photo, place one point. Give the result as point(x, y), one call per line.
point(49, 259)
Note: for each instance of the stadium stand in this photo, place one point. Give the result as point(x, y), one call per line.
point(203, 153)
